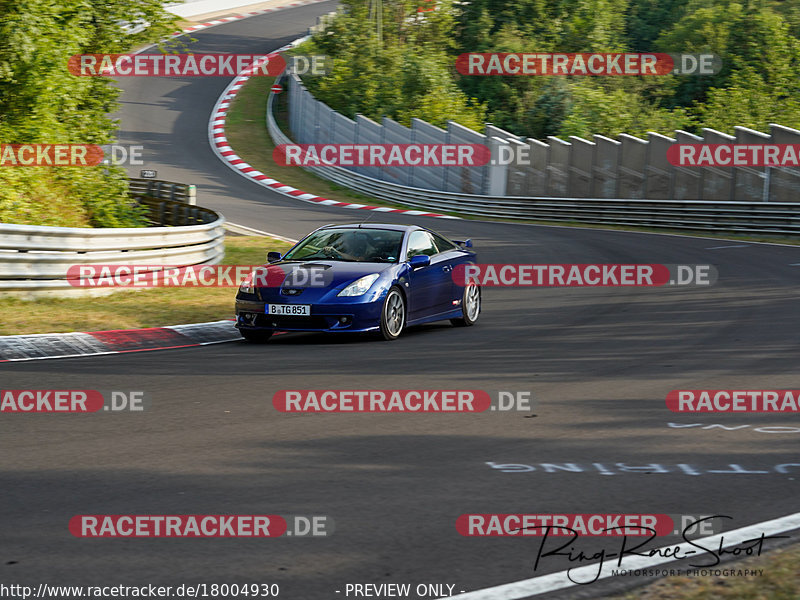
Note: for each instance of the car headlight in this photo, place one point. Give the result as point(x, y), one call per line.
point(360, 286)
point(247, 286)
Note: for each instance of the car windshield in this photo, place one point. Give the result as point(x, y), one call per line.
point(357, 245)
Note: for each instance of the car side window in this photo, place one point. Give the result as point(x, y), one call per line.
point(420, 242)
point(442, 244)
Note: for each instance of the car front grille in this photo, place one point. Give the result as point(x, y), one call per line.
point(290, 322)
point(291, 291)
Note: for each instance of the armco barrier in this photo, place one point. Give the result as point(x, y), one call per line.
point(745, 217)
point(34, 259)
point(165, 190)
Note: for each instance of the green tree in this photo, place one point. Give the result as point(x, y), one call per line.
point(647, 19)
point(42, 102)
point(406, 74)
point(749, 102)
point(749, 36)
point(596, 109)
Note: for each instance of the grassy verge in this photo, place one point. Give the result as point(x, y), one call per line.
point(130, 309)
point(247, 133)
point(780, 580)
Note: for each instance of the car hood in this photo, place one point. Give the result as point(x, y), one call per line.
point(339, 270)
point(334, 275)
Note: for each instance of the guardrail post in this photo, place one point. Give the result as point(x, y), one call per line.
point(496, 185)
point(687, 181)
point(751, 184)
point(783, 184)
point(557, 167)
point(718, 182)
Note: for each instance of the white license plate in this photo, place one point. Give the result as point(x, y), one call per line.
point(296, 310)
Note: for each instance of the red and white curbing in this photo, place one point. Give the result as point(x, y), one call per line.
point(14, 348)
point(219, 142)
point(246, 15)
point(220, 146)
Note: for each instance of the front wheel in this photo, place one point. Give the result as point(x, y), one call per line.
point(470, 306)
point(393, 315)
point(256, 336)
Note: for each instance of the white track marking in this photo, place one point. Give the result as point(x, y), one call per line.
point(557, 581)
point(250, 231)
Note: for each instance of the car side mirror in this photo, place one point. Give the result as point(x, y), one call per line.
point(273, 256)
point(419, 260)
point(468, 243)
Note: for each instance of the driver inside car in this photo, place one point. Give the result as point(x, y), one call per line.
point(351, 246)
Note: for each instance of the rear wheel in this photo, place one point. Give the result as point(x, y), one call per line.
point(256, 336)
point(393, 315)
point(470, 306)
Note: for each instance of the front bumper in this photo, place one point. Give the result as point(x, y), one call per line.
point(353, 317)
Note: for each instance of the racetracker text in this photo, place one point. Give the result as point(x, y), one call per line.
point(381, 401)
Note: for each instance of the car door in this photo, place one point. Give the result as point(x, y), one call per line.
point(425, 290)
point(450, 256)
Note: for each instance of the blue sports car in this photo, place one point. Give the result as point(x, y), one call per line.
point(357, 278)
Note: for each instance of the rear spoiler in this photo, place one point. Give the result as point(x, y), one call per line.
point(464, 243)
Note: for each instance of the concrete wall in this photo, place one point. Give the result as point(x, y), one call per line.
point(628, 167)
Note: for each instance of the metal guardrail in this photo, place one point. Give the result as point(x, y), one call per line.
point(165, 190)
point(697, 215)
point(34, 259)
point(175, 213)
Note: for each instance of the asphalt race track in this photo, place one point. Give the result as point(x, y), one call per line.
point(599, 363)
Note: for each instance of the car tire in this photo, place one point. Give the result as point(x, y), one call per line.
point(393, 314)
point(256, 336)
point(470, 306)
